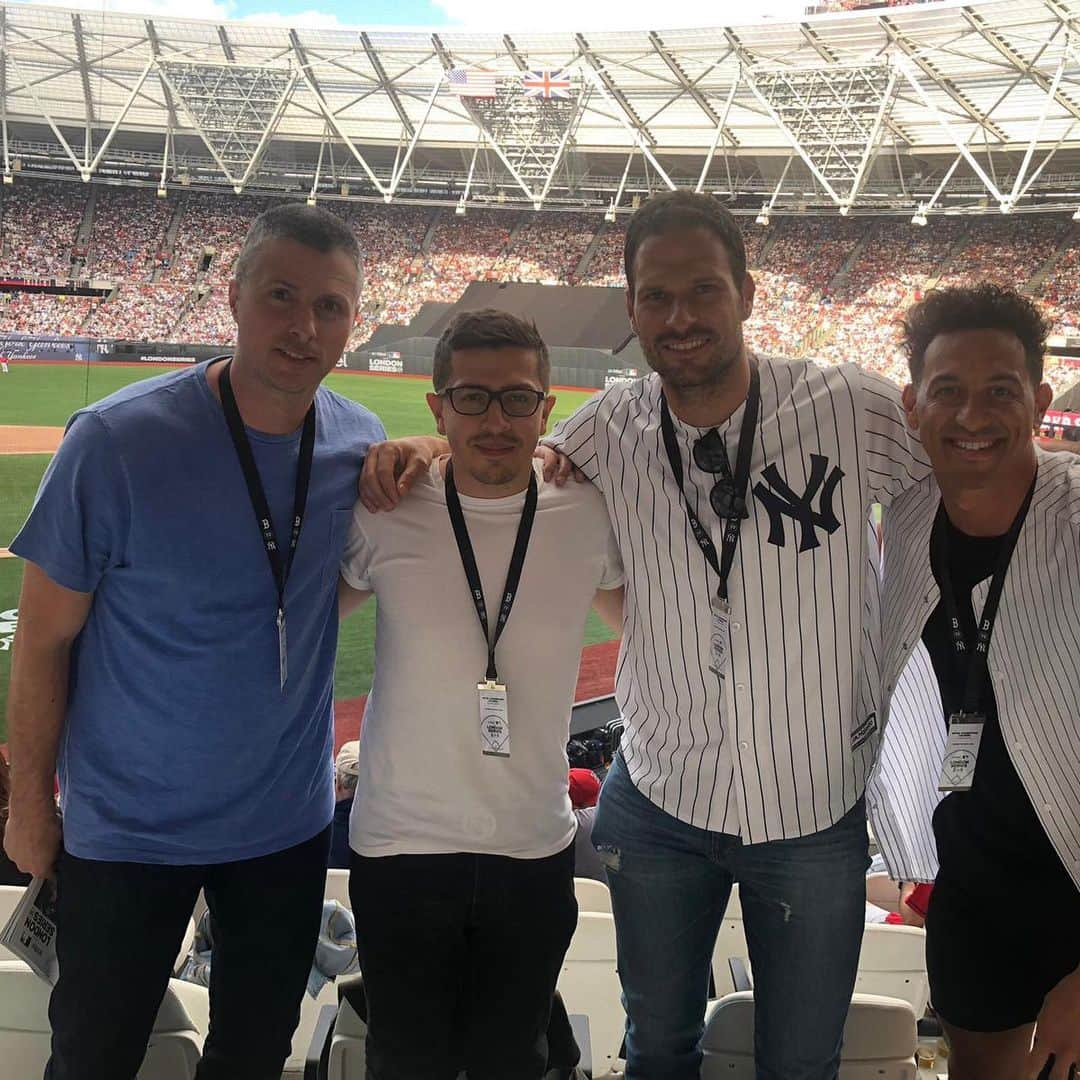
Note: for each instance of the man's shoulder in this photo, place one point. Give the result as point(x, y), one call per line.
point(574, 498)
point(145, 397)
point(349, 416)
point(846, 378)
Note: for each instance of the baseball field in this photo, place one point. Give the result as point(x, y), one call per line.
point(35, 403)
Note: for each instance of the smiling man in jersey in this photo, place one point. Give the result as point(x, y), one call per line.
point(462, 829)
point(979, 782)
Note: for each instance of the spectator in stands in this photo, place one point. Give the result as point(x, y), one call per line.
point(194, 744)
point(346, 768)
point(463, 855)
point(976, 556)
point(584, 791)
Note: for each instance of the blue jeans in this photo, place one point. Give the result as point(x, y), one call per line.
point(803, 904)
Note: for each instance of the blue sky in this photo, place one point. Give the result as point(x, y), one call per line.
point(488, 15)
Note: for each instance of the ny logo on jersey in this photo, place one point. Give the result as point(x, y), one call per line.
point(781, 501)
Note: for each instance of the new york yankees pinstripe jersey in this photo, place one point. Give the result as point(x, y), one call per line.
point(780, 747)
point(1033, 671)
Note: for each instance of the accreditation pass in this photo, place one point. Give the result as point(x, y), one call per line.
point(961, 752)
point(494, 719)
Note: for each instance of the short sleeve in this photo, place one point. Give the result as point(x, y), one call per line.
point(356, 561)
point(576, 438)
point(614, 575)
point(78, 527)
point(896, 459)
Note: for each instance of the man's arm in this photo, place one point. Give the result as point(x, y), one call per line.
point(608, 604)
point(391, 468)
point(1057, 1032)
point(895, 459)
point(350, 599)
point(50, 618)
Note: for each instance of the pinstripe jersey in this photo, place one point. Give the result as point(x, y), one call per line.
point(781, 747)
point(1033, 671)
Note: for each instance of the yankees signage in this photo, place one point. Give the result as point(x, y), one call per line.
point(781, 501)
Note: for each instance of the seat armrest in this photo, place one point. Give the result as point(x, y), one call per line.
point(740, 975)
point(318, 1052)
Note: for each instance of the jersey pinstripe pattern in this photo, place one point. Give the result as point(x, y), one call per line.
point(783, 745)
point(1032, 661)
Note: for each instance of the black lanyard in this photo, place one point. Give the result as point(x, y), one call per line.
point(741, 480)
point(976, 659)
point(468, 562)
point(279, 569)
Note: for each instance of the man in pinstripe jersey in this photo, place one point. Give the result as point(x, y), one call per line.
point(751, 721)
point(995, 530)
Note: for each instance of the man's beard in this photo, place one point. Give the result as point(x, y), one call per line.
point(689, 379)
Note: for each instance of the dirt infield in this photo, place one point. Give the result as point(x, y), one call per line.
point(29, 440)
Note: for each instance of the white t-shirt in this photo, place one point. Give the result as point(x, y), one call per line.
point(424, 786)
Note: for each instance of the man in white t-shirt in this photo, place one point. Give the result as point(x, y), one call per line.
point(462, 830)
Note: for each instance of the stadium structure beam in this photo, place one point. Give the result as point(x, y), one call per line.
point(226, 44)
point(947, 87)
point(387, 84)
point(943, 122)
point(514, 54)
point(29, 87)
point(720, 128)
point(84, 74)
point(447, 61)
point(1021, 173)
point(993, 38)
point(614, 94)
point(690, 88)
point(155, 51)
point(399, 170)
point(91, 167)
point(313, 85)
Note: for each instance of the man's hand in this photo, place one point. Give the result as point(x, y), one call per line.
point(32, 838)
point(391, 469)
point(557, 466)
point(1057, 1032)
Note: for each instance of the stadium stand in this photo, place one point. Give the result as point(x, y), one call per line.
point(830, 288)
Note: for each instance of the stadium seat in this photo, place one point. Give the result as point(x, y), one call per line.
point(25, 1036)
point(589, 984)
point(592, 895)
point(879, 1039)
point(893, 964)
point(337, 887)
point(730, 941)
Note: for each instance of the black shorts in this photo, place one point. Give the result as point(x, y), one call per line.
point(992, 955)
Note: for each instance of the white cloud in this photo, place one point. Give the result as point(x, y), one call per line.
point(216, 10)
point(302, 20)
point(562, 15)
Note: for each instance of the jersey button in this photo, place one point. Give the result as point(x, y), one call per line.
point(744, 745)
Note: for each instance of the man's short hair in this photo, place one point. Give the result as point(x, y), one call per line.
point(488, 329)
point(974, 307)
point(347, 765)
point(308, 225)
point(681, 209)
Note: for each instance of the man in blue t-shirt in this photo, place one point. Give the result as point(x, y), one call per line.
point(174, 660)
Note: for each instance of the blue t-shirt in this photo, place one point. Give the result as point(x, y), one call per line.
point(179, 746)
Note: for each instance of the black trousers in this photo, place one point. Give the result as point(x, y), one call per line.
point(119, 928)
point(460, 955)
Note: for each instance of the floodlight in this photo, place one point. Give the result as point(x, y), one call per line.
point(460, 209)
point(844, 209)
point(311, 200)
point(609, 215)
point(162, 191)
point(1075, 217)
point(9, 179)
point(345, 190)
point(919, 217)
point(763, 215)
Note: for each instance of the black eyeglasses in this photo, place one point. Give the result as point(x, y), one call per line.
point(476, 400)
point(710, 455)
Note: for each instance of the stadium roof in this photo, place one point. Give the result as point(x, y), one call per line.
point(900, 108)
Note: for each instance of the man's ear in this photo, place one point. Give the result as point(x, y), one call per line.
point(436, 403)
point(748, 290)
point(909, 396)
point(630, 308)
point(234, 293)
point(1044, 395)
point(549, 404)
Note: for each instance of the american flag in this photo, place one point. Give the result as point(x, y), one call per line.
point(546, 84)
point(471, 82)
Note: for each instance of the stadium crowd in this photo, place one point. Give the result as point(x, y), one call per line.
point(827, 287)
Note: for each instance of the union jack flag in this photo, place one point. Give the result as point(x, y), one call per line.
point(546, 84)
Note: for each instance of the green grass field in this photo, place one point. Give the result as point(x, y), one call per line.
point(47, 394)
